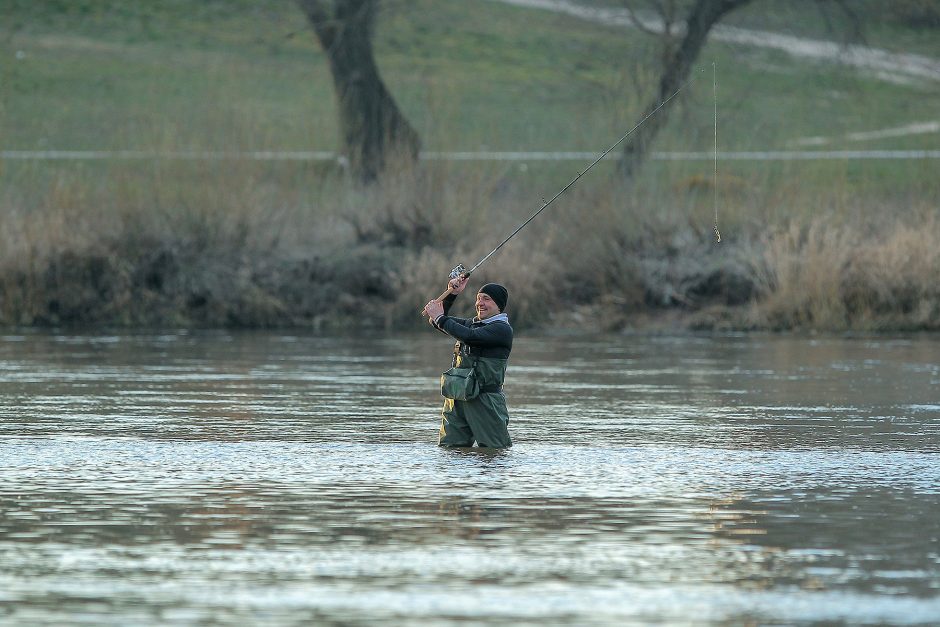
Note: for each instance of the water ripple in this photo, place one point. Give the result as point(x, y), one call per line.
point(264, 478)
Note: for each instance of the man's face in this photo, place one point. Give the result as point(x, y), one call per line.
point(485, 306)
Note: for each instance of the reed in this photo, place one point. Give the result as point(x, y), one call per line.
point(838, 276)
point(250, 244)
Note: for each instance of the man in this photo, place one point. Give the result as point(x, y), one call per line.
point(484, 341)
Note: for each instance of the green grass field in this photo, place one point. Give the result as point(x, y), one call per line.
point(259, 241)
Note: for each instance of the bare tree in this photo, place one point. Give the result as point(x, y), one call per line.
point(677, 64)
point(373, 128)
point(683, 42)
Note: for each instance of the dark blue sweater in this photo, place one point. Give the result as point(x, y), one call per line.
point(483, 339)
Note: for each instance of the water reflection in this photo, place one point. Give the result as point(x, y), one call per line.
point(282, 479)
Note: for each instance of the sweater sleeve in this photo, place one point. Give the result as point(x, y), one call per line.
point(448, 302)
point(497, 334)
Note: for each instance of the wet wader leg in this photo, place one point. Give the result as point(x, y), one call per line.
point(454, 428)
point(488, 419)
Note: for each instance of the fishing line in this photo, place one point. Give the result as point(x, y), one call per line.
point(580, 174)
point(715, 185)
point(461, 272)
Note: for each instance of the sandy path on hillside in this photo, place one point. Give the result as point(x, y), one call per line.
point(889, 66)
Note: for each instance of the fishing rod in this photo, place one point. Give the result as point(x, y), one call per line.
point(460, 272)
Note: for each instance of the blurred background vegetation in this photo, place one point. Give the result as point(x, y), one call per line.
point(165, 239)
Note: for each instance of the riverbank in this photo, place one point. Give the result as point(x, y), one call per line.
point(608, 258)
point(159, 219)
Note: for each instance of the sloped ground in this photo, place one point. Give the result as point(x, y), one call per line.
point(888, 66)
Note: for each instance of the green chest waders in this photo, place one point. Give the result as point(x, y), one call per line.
point(484, 418)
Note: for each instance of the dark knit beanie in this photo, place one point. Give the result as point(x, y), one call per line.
point(498, 293)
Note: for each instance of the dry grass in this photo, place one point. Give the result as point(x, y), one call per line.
point(239, 243)
point(835, 276)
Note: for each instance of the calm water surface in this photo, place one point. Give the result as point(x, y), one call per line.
point(273, 479)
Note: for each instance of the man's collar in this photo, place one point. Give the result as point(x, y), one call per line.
point(500, 317)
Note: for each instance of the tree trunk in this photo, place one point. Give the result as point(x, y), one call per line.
point(373, 128)
point(703, 16)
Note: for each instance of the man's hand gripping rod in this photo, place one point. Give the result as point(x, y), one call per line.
point(459, 272)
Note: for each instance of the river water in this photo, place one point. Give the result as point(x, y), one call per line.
point(263, 478)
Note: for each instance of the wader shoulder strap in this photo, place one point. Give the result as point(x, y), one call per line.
point(461, 349)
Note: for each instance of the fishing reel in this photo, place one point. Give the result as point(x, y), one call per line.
point(458, 272)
